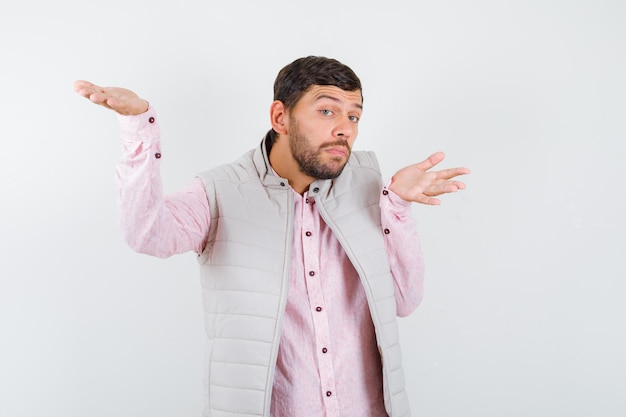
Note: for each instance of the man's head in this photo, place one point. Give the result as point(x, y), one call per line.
point(315, 113)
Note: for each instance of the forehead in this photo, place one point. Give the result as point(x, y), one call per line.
point(330, 92)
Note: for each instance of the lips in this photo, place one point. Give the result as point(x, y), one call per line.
point(337, 150)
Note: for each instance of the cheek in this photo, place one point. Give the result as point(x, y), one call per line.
point(353, 137)
point(316, 132)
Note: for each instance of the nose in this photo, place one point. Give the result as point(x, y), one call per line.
point(345, 128)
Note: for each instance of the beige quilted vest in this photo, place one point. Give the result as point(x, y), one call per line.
point(245, 273)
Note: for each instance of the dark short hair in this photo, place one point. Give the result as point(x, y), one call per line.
point(296, 78)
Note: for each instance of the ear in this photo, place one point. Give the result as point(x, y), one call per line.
point(278, 117)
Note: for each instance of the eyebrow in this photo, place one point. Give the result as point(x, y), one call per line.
point(359, 106)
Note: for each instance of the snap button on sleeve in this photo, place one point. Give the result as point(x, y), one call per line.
point(157, 155)
point(385, 192)
point(329, 393)
point(151, 120)
point(387, 231)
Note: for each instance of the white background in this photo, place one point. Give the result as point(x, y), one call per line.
point(523, 312)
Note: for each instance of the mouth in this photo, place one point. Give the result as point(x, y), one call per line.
point(337, 150)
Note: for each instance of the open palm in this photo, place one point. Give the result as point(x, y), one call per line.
point(417, 184)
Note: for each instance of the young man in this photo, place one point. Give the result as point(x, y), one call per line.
point(306, 257)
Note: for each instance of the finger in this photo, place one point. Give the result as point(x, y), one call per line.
point(444, 188)
point(113, 103)
point(91, 91)
point(97, 98)
point(81, 84)
point(459, 185)
point(430, 201)
point(84, 88)
point(450, 173)
point(424, 198)
point(431, 161)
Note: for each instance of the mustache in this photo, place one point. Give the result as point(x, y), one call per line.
point(340, 142)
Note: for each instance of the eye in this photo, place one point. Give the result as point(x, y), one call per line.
point(354, 119)
point(326, 112)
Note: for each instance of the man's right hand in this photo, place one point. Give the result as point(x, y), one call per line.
point(121, 100)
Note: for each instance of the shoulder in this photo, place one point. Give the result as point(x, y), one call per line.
point(239, 170)
point(364, 159)
point(361, 172)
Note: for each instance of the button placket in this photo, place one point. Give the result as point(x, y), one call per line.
point(311, 248)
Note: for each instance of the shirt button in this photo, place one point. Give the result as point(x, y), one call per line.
point(318, 308)
point(324, 350)
point(151, 120)
point(157, 155)
point(316, 190)
point(385, 192)
point(328, 393)
point(282, 183)
point(308, 233)
point(387, 231)
point(311, 273)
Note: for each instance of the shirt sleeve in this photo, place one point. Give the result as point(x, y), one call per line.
point(151, 222)
point(404, 251)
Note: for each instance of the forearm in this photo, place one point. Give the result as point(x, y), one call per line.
point(151, 222)
point(404, 252)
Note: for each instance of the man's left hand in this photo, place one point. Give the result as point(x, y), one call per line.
point(417, 184)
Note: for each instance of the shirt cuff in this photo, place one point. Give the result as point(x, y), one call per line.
point(393, 201)
point(143, 127)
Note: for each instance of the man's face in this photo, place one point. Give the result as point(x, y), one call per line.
point(322, 128)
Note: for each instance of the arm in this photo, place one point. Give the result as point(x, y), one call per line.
point(414, 183)
point(404, 251)
point(151, 223)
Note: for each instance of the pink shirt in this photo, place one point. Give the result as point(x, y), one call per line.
point(328, 361)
